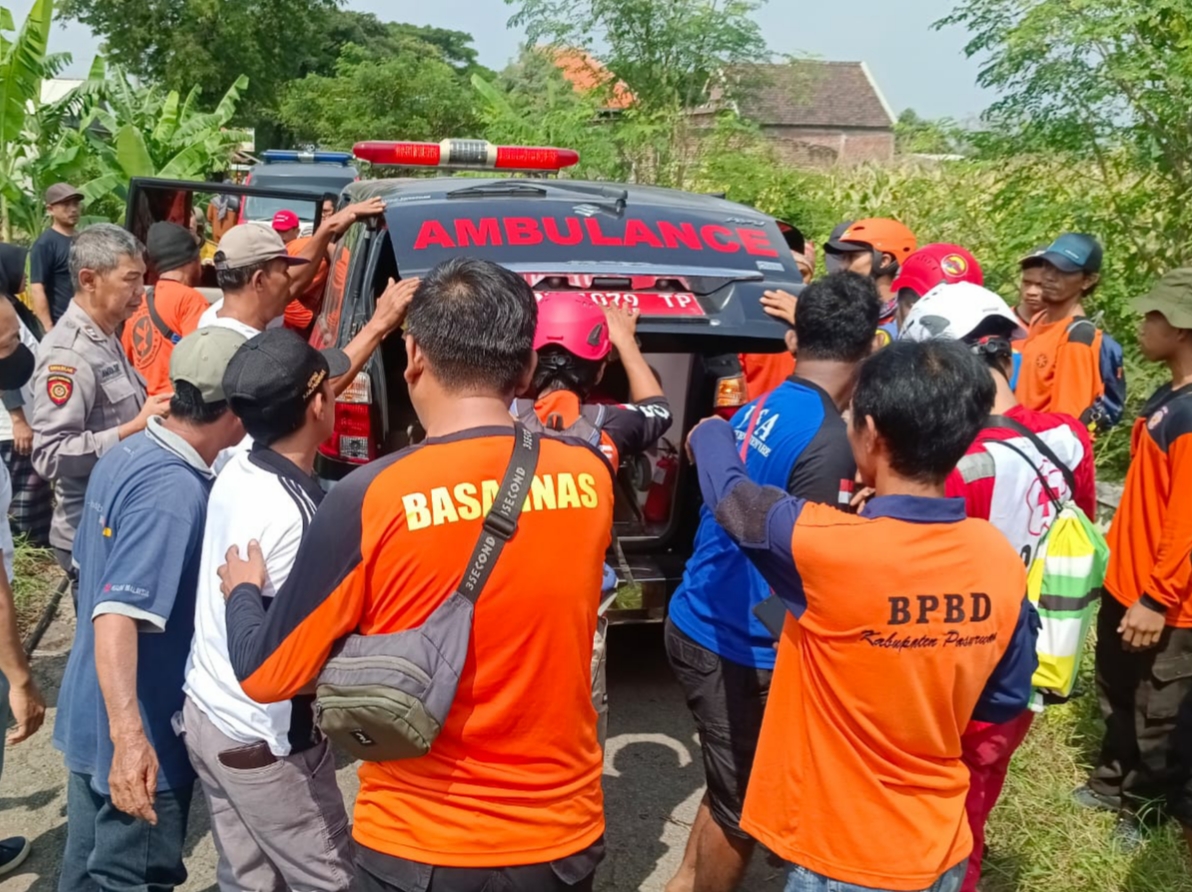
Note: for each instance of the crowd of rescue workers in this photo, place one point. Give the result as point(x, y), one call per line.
point(237, 624)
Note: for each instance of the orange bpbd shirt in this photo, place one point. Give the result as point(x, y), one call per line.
point(1150, 540)
point(1061, 367)
point(765, 371)
point(149, 350)
point(858, 774)
point(515, 775)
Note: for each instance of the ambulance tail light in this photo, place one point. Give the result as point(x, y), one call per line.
point(474, 154)
point(731, 394)
point(353, 440)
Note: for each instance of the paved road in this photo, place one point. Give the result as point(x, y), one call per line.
point(653, 781)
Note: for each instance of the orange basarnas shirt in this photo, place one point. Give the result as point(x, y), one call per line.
point(514, 777)
point(179, 307)
point(1061, 367)
point(1150, 540)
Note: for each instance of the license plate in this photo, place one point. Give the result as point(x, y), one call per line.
point(648, 303)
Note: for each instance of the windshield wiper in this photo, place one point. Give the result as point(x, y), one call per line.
point(618, 197)
point(507, 188)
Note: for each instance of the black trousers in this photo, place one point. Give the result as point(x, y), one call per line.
point(1146, 754)
point(376, 872)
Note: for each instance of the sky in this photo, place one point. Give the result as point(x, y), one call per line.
point(915, 66)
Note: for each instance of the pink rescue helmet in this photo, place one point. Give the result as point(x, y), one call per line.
point(937, 264)
point(574, 323)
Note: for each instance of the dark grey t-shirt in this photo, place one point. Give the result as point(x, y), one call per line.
point(49, 267)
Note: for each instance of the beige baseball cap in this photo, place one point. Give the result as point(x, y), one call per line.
point(201, 359)
point(249, 244)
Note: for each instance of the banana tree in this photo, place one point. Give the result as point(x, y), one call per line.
point(144, 131)
point(39, 144)
point(23, 66)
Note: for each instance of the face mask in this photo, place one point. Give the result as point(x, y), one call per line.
point(17, 369)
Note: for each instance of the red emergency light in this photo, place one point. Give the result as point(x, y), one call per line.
point(466, 153)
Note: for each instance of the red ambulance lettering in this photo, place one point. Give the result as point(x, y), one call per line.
point(684, 234)
point(712, 233)
point(638, 233)
point(597, 237)
point(756, 242)
point(432, 233)
point(571, 231)
point(575, 232)
point(484, 231)
point(521, 231)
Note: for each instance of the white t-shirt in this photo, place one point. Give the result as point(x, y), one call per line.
point(262, 496)
point(209, 319)
point(29, 341)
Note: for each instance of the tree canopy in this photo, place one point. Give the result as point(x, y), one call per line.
point(669, 53)
point(414, 93)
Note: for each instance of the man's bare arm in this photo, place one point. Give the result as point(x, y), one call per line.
point(133, 777)
point(390, 313)
point(28, 705)
point(41, 305)
point(316, 249)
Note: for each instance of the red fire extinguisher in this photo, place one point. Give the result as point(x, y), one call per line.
point(662, 485)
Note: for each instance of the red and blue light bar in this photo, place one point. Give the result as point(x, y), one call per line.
point(280, 156)
point(475, 154)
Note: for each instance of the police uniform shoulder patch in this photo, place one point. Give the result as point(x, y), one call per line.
point(62, 369)
point(59, 387)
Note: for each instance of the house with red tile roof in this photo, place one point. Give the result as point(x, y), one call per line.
point(814, 112)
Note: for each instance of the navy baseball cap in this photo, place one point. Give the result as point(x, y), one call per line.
point(273, 376)
point(834, 245)
point(1074, 252)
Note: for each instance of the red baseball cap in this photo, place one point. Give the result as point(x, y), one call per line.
point(284, 221)
point(937, 264)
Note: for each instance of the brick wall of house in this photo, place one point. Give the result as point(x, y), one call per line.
point(822, 147)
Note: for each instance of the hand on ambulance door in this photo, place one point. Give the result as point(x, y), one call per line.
point(622, 326)
point(622, 333)
point(339, 222)
point(780, 305)
point(239, 571)
point(393, 304)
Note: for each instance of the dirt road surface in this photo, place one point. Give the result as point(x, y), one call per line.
point(653, 780)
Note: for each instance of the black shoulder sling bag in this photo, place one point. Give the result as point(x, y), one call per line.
point(386, 697)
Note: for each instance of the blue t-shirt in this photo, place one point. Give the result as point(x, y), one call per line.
point(800, 445)
point(138, 551)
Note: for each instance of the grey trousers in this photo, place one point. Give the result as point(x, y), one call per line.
point(277, 828)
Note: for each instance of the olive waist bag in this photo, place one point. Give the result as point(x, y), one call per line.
point(386, 697)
